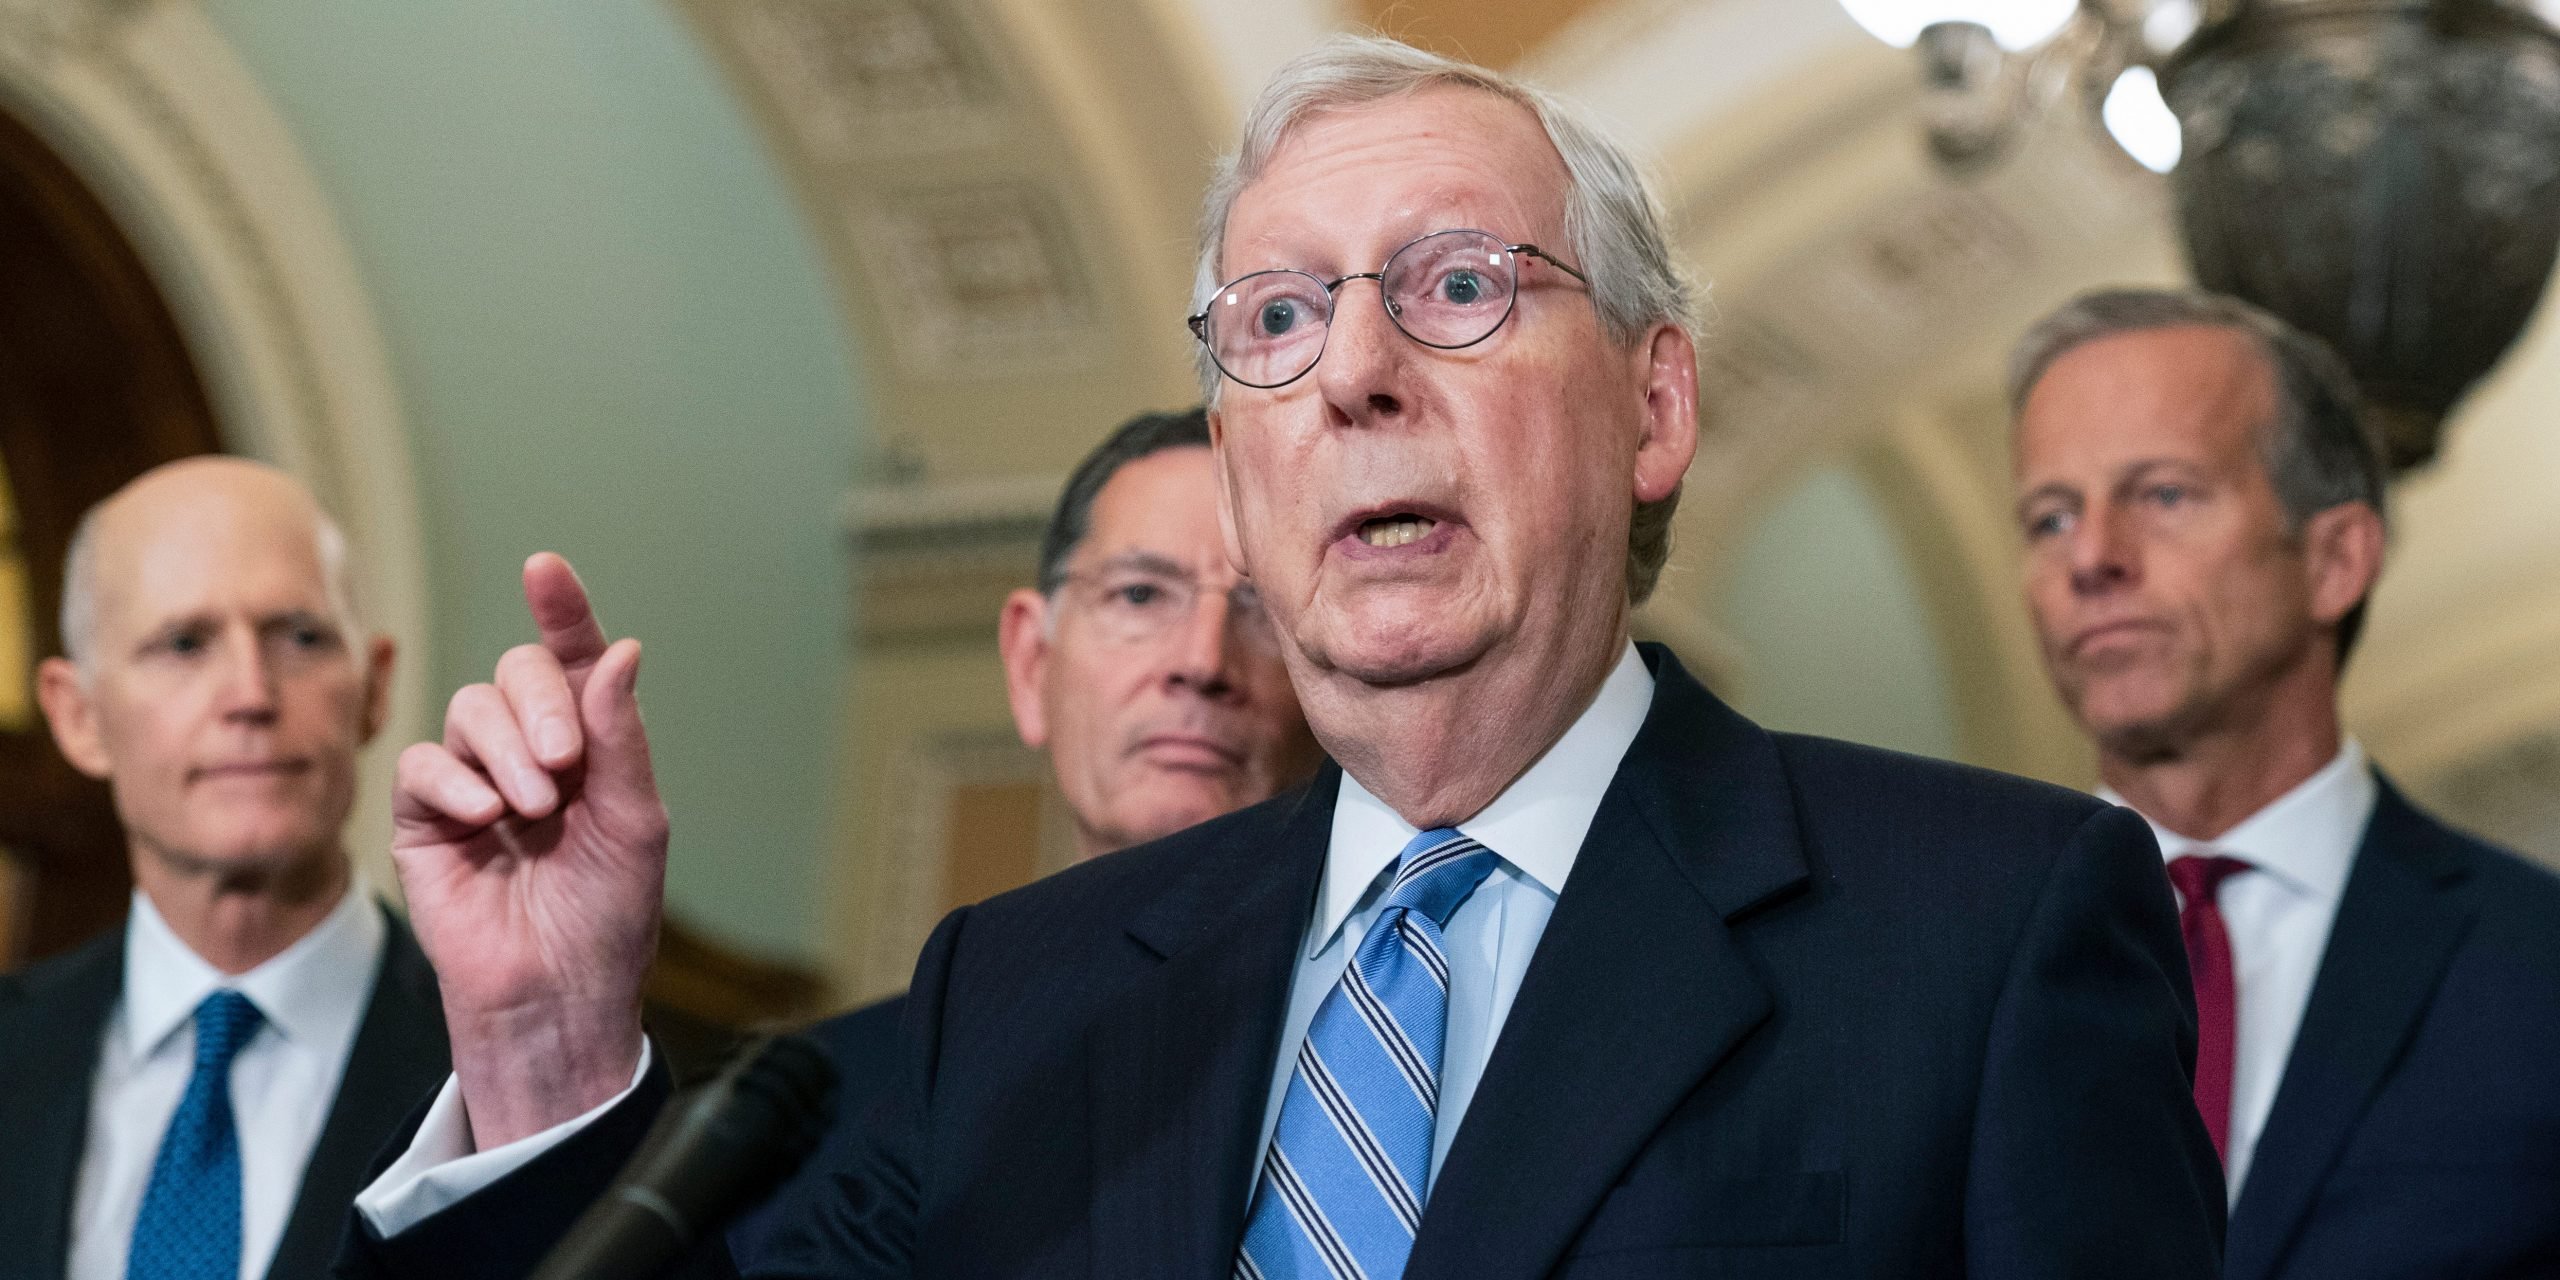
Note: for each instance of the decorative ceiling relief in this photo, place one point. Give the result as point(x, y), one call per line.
point(973, 165)
point(989, 278)
point(854, 78)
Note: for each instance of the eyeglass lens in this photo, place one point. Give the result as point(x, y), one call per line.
point(1448, 290)
point(1139, 607)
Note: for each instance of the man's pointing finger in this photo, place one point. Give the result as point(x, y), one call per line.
point(560, 610)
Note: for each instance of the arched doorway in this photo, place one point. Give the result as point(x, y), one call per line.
point(96, 386)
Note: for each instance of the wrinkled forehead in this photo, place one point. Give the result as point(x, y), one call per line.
point(1347, 186)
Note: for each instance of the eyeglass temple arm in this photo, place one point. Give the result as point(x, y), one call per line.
point(1536, 252)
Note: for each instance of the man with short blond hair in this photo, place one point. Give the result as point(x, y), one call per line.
point(196, 1096)
point(1564, 969)
point(2203, 509)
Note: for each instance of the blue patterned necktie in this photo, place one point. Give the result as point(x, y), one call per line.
point(189, 1228)
point(1342, 1189)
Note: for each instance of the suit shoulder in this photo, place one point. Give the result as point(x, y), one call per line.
point(1127, 877)
point(1876, 784)
point(81, 968)
point(2512, 886)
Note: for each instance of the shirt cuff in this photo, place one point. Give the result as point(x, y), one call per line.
point(440, 1168)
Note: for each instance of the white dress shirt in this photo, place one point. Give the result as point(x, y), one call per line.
point(312, 997)
point(2299, 849)
point(1536, 826)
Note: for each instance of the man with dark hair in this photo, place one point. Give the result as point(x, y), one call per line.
point(1148, 671)
point(1143, 664)
point(2378, 994)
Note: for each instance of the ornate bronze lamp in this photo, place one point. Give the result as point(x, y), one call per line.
point(2382, 173)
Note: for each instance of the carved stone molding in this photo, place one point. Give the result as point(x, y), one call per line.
point(989, 278)
point(863, 78)
point(935, 562)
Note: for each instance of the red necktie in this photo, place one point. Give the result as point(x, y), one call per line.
point(2199, 879)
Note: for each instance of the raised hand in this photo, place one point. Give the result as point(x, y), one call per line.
point(533, 849)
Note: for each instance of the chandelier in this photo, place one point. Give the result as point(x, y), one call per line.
point(2382, 173)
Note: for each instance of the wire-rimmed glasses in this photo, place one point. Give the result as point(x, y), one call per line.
point(1141, 603)
point(1449, 289)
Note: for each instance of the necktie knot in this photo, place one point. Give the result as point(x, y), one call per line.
point(2199, 877)
point(224, 1023)
point(1436, 872)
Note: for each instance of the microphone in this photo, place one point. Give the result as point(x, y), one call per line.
point(720, 1146)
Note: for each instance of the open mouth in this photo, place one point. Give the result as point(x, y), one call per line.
point(1400, 529)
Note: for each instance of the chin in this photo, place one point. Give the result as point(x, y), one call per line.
point(263, 848)
point(1399, 646)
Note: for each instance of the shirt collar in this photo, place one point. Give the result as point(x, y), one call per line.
point(1536, 825)
point(2307, 837)
point(312, 992)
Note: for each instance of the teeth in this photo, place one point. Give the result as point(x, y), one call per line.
point(1395, 531)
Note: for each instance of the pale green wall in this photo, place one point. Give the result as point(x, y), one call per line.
point(612, 337)
point(1835, 637)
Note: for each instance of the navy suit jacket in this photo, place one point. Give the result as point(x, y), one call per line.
point(52, 1020)
point(863, 1046)
point(2416, 1131)
point(1803, 1009)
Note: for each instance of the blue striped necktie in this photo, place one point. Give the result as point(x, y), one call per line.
point(189, 1228)
point(1342, 1188)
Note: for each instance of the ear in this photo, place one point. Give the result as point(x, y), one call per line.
point(1022, 636)
point(378, 654)
point(73, 717)
point(1226, 494)
point(1670, 438)
point(2343, 547)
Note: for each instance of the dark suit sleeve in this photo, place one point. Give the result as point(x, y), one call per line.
point(505, 1228)
point(2089, 1159)
point(858, 1221)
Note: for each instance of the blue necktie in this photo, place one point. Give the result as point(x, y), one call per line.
point(1342, 1189)
point(189, 1228)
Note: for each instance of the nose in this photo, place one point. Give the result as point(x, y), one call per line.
point(2102, 552)
point(1202, 648)
point(1364, 358)
point(248, 683)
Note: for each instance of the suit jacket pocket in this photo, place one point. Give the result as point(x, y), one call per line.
point(1666, 1212)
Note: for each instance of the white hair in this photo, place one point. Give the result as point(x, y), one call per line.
point(80, 582)
point(1613, 224)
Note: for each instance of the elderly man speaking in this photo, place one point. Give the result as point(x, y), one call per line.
point(1565, 970)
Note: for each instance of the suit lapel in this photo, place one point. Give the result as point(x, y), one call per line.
point(399, 1054)
point(1181, 1064)
point(49, 1045)
point(2398, 923)
point(1636, 992)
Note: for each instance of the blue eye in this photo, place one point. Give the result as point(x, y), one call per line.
point(1139, 593)
point(1464, 288)
point(1278, 317)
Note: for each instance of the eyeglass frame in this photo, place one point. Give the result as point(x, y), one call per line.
point(1243, 598)
point(1198, 322)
